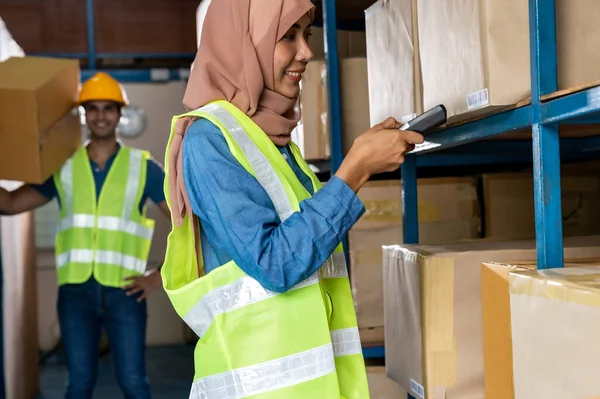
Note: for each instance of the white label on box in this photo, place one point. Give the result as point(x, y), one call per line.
point(478, 99)
point(417, 389)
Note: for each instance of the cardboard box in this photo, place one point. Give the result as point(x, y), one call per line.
point(497, 336)
point(39, 127)
point(484, 62)
point(313, 135)
point(432, 304)
point(447, 212)
point(509, 204)
point(313, 132)
point(555, 316)
point(350, 43)
point(393, 61)
point(355, 100)
point(381, 387)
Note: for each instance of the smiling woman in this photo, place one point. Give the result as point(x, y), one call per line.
point(291, 55)
point(254, 263)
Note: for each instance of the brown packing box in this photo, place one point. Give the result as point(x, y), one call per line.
point(509, 205)
point(381, 387)
point(497, 337)
point(355, 100)
point(350, 43)
point(314, 133)
point(447, 212)
point(433, 319)
point(555, 317)
point(393, 65)
point(315, 112)
point(39, 126)
point(487, 56)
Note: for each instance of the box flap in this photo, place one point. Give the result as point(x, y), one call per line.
point(579, 285)
point(30, 73)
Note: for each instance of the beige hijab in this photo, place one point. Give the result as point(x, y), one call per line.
point(235, 63)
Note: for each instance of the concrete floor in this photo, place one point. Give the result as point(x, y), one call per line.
point(170, 370)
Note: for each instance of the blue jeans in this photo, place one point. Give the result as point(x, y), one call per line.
point(83, 309)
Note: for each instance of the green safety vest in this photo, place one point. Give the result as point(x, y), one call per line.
point(109, 237)
point(253, 342)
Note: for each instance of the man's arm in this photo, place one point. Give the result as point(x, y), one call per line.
point(164, 209)
point(23, 199)
point(155, 180)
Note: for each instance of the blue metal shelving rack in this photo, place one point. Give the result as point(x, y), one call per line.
point(542, 116)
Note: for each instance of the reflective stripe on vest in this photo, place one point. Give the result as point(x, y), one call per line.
point(107, 257)
point(105, 222)
point(265, 377)
point(261, 166)
point(247, 291)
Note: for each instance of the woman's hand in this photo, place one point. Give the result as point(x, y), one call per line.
point(146, 284)
point(380, 149)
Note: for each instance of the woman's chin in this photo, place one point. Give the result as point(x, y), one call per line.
point(281, 140)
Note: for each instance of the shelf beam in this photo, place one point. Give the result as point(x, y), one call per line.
point(574, 106)
point(154, 75)
point(498, 124)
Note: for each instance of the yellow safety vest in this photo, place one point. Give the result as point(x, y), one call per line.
point(253, 342)
point(109, 237)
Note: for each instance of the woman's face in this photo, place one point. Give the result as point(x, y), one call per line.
point(292, 53)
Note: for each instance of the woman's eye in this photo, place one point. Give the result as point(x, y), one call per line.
point(289, 36)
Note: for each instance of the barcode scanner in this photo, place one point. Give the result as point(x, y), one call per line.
point(427, 121)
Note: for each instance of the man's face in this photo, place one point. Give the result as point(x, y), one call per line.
point(102, 118)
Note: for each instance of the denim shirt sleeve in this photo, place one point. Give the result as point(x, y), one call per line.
point(238, 217)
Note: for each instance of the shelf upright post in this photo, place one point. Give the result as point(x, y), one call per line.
point(333, 83)
point(410, 209)
point(91, 34)
point(545, 138)
point(334, 93)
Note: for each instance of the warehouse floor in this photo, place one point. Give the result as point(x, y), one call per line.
point(170, 370)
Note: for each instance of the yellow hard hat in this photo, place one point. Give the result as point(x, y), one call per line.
point(102, 87)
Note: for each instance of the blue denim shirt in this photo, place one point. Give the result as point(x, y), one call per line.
point(238, 220)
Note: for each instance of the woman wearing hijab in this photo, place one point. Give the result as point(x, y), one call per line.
point(254, 262)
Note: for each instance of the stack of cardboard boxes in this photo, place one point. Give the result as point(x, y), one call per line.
point(448, 211)
point(444, 311)
point(473, 55)
point(447, 317)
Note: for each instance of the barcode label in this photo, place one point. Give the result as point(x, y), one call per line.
point(478, 99)
point(417, 389)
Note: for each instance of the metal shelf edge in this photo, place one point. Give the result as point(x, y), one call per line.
point(577, 105)
point(494, 125)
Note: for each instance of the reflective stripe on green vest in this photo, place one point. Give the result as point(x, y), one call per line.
point(109, 237)
point(254, 342)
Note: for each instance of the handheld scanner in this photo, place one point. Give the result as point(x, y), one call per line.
point(427, 121)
